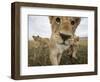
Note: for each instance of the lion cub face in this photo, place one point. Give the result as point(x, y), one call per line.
point(63, 28)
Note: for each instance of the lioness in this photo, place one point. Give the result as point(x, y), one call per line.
point(41, 41)
point(62, 37)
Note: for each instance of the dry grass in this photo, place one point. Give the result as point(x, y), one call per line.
point(39, 55)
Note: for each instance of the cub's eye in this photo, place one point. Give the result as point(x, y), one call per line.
point(58, 20)
point(72, 22)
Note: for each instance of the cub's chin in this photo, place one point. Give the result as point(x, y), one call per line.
point(66, 43)
point(59, 41)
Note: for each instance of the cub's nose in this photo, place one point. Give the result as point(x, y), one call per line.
point(64, 36)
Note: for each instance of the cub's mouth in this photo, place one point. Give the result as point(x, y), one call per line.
point(66, 43)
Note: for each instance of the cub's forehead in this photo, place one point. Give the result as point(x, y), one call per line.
point(66, 17)
point(74, 18)
point(60, 17)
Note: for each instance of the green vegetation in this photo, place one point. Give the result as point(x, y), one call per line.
point(39, 55)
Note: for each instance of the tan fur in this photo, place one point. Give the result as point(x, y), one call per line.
point(62, 37)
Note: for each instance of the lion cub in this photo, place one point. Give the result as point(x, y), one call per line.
point(74, 45)
point(62, 37)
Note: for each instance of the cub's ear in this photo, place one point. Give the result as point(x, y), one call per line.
point(50, 18)
point(78, 19)
point(77, 22)
point(33, 37)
